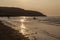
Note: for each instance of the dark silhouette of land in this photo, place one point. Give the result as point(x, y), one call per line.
point(7, 33)
point(13, 11)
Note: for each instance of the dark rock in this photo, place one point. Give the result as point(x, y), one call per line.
point(13, 11)
point(34, 18)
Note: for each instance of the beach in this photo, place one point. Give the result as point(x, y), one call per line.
point(35, 29)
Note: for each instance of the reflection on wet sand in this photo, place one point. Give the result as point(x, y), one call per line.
point(22, 26)
point(22, 29)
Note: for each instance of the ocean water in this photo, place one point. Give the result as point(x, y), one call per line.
point(35, 28)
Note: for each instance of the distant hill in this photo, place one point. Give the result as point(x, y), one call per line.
point(12, 11)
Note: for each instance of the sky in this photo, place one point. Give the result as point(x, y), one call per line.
point(47, 7)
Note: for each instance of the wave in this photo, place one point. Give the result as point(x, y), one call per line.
point(50, 20)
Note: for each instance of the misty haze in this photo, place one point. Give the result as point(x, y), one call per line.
point(30, 20)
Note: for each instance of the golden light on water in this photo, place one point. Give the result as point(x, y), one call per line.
point(23, 19)
point(22, 26)
point(23, 29)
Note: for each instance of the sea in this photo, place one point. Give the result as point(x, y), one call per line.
point(35, 27)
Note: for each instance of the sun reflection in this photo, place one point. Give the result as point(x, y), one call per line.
point(23, 19)
point(22, 26)
point(22, 29)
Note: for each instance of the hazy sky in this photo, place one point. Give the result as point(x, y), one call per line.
point(48, 7)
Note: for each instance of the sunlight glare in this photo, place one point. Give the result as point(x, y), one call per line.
point(23, 19)
point(23, 29)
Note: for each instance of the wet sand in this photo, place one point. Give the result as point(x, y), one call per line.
point(43, 31)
